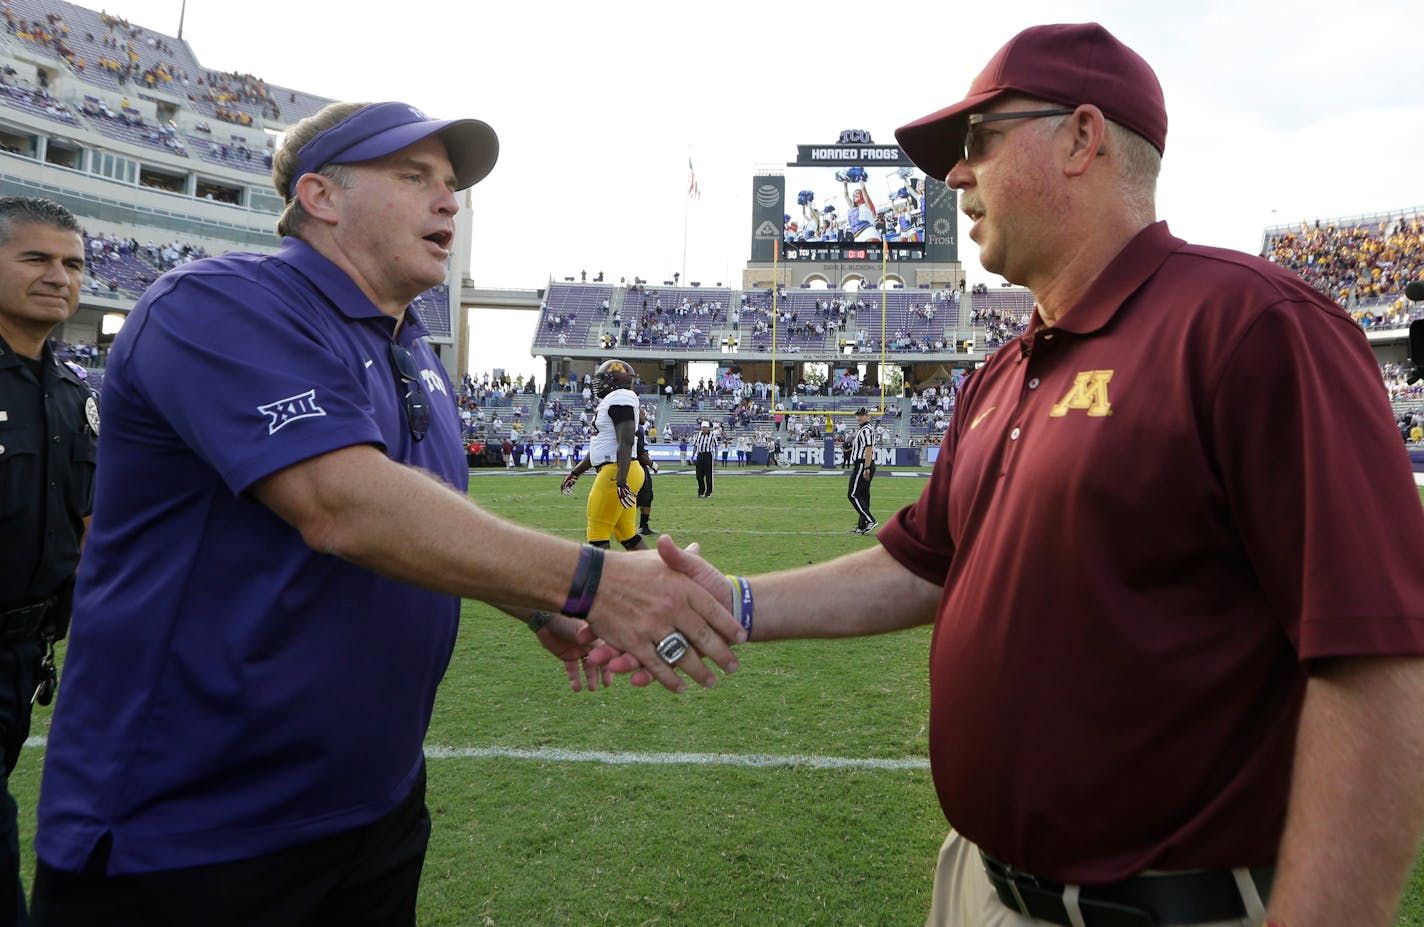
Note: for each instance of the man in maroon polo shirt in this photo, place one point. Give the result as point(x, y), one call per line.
point(1175, 672)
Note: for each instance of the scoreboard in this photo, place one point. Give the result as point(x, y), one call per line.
point(853, 201)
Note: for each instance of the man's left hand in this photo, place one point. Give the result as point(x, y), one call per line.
point(572, 640)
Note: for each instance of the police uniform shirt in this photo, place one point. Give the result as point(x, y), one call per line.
point(210, 644)
point(603, 448)
point(48, 422)
point(864, 438)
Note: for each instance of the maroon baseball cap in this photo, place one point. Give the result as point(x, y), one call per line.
point(1071, 64)
point(379, 129)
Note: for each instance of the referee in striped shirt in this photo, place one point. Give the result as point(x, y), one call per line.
point(862, 471)
point(704, 444)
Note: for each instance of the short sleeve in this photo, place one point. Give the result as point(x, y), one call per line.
point(1315, 475)
point(251, 378)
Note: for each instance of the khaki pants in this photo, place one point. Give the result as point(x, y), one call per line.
point(963, 896)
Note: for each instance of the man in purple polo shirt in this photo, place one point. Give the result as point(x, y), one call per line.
point(1175, 673)
point(280, 540)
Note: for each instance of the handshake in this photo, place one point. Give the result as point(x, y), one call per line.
point(653, 614)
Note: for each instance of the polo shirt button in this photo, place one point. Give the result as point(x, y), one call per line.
point(1014, 435)
point(1033, 384)
point(2, 448)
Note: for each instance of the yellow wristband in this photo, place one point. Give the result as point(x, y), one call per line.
point(736, 597)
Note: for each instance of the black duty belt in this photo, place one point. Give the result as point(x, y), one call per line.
point(1157, 900)
point(24, 623)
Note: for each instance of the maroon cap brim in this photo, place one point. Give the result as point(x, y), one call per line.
point(936, 142)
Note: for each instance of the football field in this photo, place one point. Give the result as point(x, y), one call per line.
point(796, 792)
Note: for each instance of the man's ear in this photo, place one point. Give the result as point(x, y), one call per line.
point(1089, 129)
point(317, 194)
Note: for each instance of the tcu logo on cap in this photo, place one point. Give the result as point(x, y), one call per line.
point(417, 113)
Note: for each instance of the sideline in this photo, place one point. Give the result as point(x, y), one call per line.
point(719, 472)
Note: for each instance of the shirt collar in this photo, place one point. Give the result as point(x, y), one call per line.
point(339, 289)
point(8, 358)
point(1134, 265)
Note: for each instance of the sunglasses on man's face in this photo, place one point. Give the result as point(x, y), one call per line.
point(974, 141)
point(417, 406)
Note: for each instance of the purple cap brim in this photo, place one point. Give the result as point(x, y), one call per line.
point(384, 128)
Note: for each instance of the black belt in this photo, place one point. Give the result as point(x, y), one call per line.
point(24, 623)
point(1143, 901)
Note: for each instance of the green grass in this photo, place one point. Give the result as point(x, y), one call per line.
point(536, 842)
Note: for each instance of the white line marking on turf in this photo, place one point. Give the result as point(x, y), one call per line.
point(755, 760)
point(556, 755)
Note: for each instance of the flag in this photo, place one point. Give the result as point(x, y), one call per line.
point(693, 191)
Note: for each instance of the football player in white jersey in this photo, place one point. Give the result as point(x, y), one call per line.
point(611, 501)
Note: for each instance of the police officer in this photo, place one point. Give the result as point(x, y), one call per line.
point(48, 423)
point(862, 471)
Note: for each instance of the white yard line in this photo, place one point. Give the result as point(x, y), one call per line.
point(557, 755)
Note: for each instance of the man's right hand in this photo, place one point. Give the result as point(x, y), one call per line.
point(567, 486)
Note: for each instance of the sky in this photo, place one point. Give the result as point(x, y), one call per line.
point(1278, 113)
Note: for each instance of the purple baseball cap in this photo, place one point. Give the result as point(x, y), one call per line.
point(380, 129)
point(1070, 64)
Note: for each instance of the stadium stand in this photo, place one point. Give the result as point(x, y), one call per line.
point(124, 124)
point(1363, 262)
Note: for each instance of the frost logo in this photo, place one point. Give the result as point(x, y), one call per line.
point(768, 195)
point(767, 231)
point(940, 232)
point(284, 411)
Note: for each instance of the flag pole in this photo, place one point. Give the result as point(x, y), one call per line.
point(775, 278)
point(693, 192)
point(884, 303)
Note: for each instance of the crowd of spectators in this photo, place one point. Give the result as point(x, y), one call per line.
point(37, 97)
point(51, 33)
point(165, 257)
point(1000, 325)
point(932, 407)
point(165, 134)
point(1396, 381)
point(1362, 266)
point(123, 59)
point(235, 88)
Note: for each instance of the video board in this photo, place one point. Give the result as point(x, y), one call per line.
point(852, 201)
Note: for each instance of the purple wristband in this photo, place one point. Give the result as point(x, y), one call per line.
point(585, 585)
point(746, 613)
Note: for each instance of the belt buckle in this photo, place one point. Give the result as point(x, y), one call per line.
point(1012, 877)
point(1018, 897)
